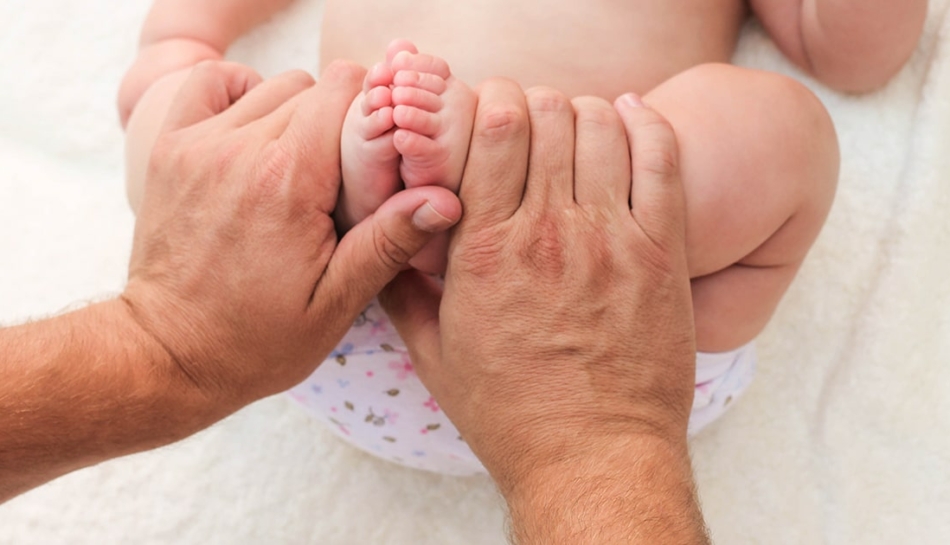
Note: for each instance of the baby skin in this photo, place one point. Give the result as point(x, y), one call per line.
point(759, 178)
point(759, 163)
point(758, 154)
point(409, 127)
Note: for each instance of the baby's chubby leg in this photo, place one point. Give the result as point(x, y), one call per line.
point(409, 127)
point(759, 161)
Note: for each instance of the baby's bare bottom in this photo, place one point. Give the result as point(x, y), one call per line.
point(759, 161)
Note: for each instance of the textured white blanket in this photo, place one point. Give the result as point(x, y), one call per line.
point(844, 438)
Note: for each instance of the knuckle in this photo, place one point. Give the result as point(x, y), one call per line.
point(300, 78)
point(655, 148)
point(655, 124)
point(390, 252)
point(545, 250)
point(275, 166)
point(168, 154)
point(595, 113)
point(479, 254)
point(661, 253)
point(657, 160)
point(501, 122)
point(547, 100)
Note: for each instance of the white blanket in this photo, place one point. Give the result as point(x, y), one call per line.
point(844, 437)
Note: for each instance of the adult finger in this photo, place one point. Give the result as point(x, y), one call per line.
point(309, 127)
point(601, 155)
point(493, 182)
point(551, 165)
point(334, 87)
point(412, 302)
point(267, 97)
point(211, 88)
point(323, 104)
point(371, 254)
point(658, 203)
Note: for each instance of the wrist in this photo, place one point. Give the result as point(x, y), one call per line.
point(165, 383)
point(84, 387)
point(620, 489)
point(211, 370)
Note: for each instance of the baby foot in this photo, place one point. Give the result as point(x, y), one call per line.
point(433, 112)
point(409, 127)
point(369, 161)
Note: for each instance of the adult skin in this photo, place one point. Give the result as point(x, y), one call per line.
point(196, 336)
point(562, 347)
point(238, 286)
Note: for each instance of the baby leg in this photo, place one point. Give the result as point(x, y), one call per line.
point(759, 161)
point(410, 127)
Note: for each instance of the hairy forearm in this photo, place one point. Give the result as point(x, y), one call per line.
point(637, 491)
point(84, 387)
point(216, 23)
point(852, 45)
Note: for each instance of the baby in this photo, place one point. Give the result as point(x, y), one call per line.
point(759, 155)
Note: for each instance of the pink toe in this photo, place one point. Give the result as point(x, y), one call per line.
point(414, 146)
point(380, 75)
point(423, 159)
point(418, 98)
point(376, 98)
point(414, 119)
point(397, 46)
point(424, 162)
point(421, 63)
point(420, 80)
point(376, 124)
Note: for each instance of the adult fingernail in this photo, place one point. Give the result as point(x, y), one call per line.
point(632, 100)
point(427, 218)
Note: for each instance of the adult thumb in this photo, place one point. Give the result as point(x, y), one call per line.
point(371, 254)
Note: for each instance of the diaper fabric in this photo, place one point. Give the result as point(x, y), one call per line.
point(367, 392)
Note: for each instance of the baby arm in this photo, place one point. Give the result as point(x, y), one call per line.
point(177, 35)
point(851, 45)
point(181, 33)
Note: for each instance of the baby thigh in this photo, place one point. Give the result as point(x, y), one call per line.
point(759, 162)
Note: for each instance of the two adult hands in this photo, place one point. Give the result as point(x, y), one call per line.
point(562, 346)
point(236, 271)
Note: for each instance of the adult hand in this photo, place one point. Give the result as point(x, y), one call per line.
point(563, 347)
point(156, 60)
point(237, 288)
point(236, 269)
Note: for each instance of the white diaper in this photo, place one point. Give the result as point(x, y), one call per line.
point(368, 393)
